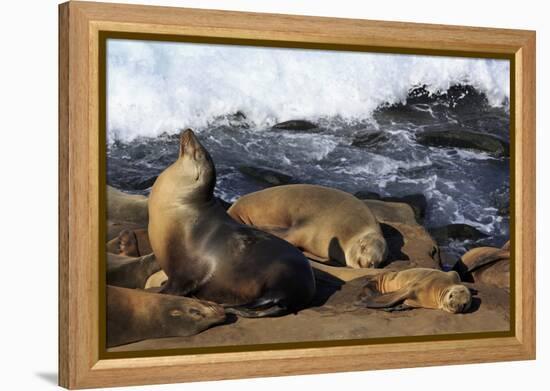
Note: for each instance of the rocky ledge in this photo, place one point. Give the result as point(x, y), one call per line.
point(334, 316)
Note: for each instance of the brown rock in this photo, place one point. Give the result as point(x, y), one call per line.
point(333, 316)
point(409, 243)
point(392, 211)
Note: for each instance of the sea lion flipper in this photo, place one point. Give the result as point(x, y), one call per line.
point(386, 300)
point(400, 307)
point(258, 309)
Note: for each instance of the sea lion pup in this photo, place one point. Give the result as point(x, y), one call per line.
point(134, 315)
point(130, 272)
point(130, 243)
point(327, 224)
point(207, 254)
point(131, 208)
point(417, 288)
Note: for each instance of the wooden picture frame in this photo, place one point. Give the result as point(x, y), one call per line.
point(81, 364)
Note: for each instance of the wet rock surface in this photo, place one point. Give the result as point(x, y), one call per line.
point(299, 125)
point(459, 138)
point(266, 176)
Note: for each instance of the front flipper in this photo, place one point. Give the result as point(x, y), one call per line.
point(399, 307)
point(259, 308)
point(386, 300)
point(170, 287)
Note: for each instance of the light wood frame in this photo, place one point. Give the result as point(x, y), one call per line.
point(80, 24)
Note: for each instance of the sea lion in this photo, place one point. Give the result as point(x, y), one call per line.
point(130, 272)
point(131, 208)
point(417, 288)
point(134, 315)
point(207, 254)
point(489, 265)
point(130, 243)
point(114, 228)
point(327, 224)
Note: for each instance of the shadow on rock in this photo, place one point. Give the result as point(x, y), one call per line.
point(395, 242)
point(326, 286)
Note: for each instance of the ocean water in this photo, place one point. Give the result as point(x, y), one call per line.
point(232, 96)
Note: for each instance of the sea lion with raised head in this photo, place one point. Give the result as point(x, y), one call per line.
point(327, 224)
point(417, 288)
point(134, 315)
point(207, 254)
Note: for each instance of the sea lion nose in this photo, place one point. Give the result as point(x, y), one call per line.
point(187, 136)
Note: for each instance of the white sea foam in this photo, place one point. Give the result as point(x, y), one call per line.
point(155, 87)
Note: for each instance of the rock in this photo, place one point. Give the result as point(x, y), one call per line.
point(369, 139)
point(409, 243)
point(332, 316)
point(501, 199)
point(238, 120)
point(391, 211)
point(266, 175)
point(226, 205)
point(487, 265)
point(367, 195)
point(296, 124)
point(448, 260)
point(464, 139)
point(404, 114)
point(146, 183)
point(456, 231)
point(417, 202)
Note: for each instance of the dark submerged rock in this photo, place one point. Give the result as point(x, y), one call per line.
point(369, 139)
point(226, 205)
point(464, 139)
point(146, 183)
point(296, 124)
point(456, 231)
point(266, 175)
point(501, 199)
point(367, 195)
point(405, 114)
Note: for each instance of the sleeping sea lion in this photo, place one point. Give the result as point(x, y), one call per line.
point(130, 208)
point(327, 224)
point(207, 254)
point(134, 315)
point(417, 288)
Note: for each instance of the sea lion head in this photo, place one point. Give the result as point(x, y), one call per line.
point(128, 244)
point(194, 165)
point(457, 298)
point(191, 316)
point(367, 251)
